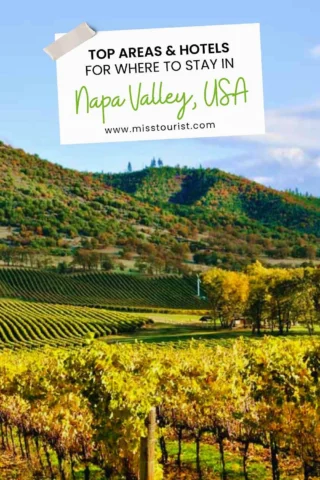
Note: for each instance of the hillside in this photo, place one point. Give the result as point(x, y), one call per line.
point(44, 207)
point(158, 220)
point(220, 195)
point(277, 224)
point(52, 200)
point(118, 291)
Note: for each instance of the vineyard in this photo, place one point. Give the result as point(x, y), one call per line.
point(73, 416)
point(101, 289)
point(84, 413)
point(32, 325)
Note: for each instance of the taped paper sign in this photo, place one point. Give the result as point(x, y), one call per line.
point(162, 84)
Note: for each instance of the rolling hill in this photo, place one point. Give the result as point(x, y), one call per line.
point(220, 195)
point(158, 220)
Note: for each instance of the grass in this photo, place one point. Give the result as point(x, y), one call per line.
point(180, 328)
point(173, 318)
point(12, 467)
point(289, 261)
point(171, 328)
point(211, 464)
point(258, 465)
point(169, 332)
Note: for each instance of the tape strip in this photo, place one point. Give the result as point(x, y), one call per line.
point(69, 41)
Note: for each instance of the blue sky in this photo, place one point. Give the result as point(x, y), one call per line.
point(287, 156)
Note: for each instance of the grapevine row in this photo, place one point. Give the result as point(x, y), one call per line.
point(101, 289)
point(90, 408)
point(29, 324)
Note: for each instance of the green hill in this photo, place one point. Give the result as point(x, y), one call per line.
point(221, 195)
point(43, 198)
point(159, 220)
point(245, 218)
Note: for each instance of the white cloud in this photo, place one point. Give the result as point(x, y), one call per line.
point(297, 127)
point(287, 156)
point(315, 51)
point(293, 156)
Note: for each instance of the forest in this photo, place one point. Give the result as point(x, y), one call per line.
point(161, 219)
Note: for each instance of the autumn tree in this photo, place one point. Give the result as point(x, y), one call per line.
point(228, 294)
point(259, 298)
point(273, 297)
point(282, 284)
point(306, 299)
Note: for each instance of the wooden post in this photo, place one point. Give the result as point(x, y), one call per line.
point(147, 448)
point(143, 458)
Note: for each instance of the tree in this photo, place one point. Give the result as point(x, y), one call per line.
point(153, 163)
point(86, 259)
point(106, 262)
point(305, 251)
point(282, 286)
point(306, 298)
point(129, 168)
point(228, 293)
point(259, 297)
point(141, 265)
point(62, 267)
point(160, 162)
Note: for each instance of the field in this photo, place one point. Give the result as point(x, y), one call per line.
point(69, 416)
point(86, 358)
point(120, 291)
point(177, 328)
point(34, 325)
point(182, 328)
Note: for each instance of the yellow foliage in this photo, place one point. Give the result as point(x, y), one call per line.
point(227, 291)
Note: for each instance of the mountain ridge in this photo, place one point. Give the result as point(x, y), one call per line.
point(154, 216)
point(214, 188)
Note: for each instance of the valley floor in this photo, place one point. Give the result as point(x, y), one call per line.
point(181, 328)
